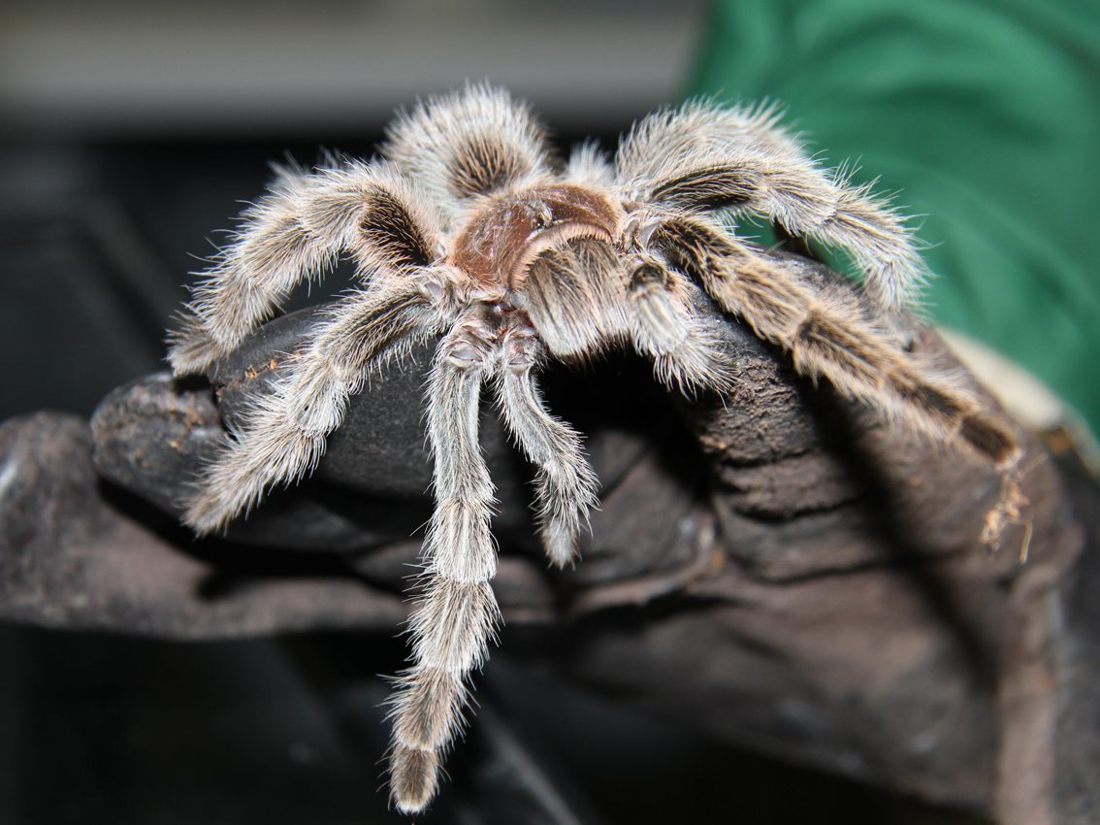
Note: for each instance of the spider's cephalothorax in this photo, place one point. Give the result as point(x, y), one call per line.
point(466, 228)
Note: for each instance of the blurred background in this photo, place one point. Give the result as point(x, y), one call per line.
point(130, 132)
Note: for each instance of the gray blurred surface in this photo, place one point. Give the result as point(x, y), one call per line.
point(70, 68)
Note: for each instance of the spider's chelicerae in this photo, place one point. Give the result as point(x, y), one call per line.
point(467, 227)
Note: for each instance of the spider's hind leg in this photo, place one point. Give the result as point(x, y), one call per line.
point(468, 144)
point(283, 435)
point(295, 233)
point(704, 157)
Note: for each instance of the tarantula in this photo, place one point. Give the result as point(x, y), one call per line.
point(466, 227)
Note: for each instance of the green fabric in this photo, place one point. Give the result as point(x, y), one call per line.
point(984, 118)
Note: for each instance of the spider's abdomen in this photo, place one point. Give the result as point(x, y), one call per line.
point(498, 245)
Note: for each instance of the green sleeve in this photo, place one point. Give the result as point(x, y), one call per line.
point(984, 119)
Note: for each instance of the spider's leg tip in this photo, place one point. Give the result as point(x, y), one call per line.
point(414, 777)
point(204, 518)
point(561, 547)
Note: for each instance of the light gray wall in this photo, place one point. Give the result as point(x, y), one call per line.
point(147, 67)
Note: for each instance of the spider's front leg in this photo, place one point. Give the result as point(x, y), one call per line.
point(704, 157)
point(457, 613)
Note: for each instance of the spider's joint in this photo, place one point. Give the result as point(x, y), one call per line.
point(647, 274)
point(466, 353)
point(490, 330)
point(522, 349)
point(446, 290)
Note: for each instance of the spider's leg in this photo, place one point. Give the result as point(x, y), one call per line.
point(565, 485)
point(468, 144)
point(687, 351)
point(825, 341)
point(282, 436)
point(589, 166)
point(294, 233)
point(704, 157)
point(457, 614)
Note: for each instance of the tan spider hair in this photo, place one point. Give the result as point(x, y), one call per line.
point(468, 229)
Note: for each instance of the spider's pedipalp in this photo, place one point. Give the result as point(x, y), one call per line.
point(468, 144)
point(282, 436)
point(705, 157)
point(457, 614)
point(686, 353)
point(826, 341)
point(296, 233)
point(574, 296)
point(565, 485)
point(562, 305)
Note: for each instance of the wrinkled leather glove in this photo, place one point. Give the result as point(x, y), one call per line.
point(778, 568)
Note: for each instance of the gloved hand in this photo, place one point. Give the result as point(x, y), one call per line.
point(777, 568)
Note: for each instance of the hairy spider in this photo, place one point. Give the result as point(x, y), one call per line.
point(467, 228)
